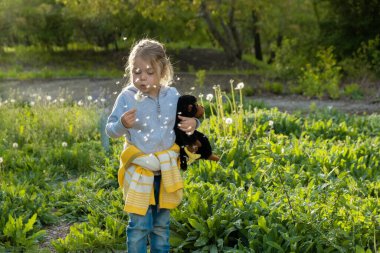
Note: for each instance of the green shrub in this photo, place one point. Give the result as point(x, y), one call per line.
point(323, 78)
point(353, 91)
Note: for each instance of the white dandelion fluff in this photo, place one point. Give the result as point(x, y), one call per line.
point(228, 121)
point(239, 86)
point(15, 145)
point(64, 144)
point(209, 97)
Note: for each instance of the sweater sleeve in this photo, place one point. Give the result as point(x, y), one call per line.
point(114, 127)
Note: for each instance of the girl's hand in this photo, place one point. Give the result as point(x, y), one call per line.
point(129, 118)
point(187, 125)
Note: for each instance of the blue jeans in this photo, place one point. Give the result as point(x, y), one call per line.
point(153, 227)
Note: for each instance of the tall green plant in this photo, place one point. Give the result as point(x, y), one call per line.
point(323, 78)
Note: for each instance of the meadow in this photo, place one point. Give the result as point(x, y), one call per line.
point(300, 182)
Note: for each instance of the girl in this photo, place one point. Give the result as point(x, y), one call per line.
point(145, 113)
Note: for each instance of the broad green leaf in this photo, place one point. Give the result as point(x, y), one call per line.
point(359, 249)
point(30, 223)
point(201, 241)
point(274, 245)
point(197, 225)
point(263, 224)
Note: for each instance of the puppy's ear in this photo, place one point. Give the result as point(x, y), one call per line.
point(189, 108)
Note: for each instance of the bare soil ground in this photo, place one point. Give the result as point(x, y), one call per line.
point(79, 89)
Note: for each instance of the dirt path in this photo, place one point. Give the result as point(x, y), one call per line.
point(79, 89)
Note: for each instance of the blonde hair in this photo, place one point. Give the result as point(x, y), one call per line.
point(153, 51)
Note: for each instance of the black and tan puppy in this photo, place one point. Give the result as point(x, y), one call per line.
point(196, 145)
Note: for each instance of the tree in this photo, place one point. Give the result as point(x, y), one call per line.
point(349, 23)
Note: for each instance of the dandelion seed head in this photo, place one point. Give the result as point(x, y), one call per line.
point(178, 78)
point(13, 101)
point(61, 100)
point(89, 98)
point(239, 86)
point(228, 121)
point(15, 145)
point(200, 95)
point(32, 103)
point(270, 123)
point(124, 38)
point(48, 98)
point(209, 97)
point(64, 144)
point(1, 160)
point(139, 131)
point(145, 124)
point(192, 88)
point(118, 82)
point(102, 100)
point(137, 120)
point(80, 102)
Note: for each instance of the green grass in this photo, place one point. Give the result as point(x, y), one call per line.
point(285, 182)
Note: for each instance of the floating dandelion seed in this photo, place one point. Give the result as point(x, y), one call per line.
point(178, 78)
point(209, 97)
point(228, 121)
point(15, 145)
point(115, 92)
point(125, 106)
point(48, 98)
point(170, 104)
point(124, 38)
point(64, 144)
point(89, 98)
point(152, 130)
point(139, 96)
point(139, 131)
point(117, 82)
point(137, 120)
point(144, 124)
point(159, 116)
point(239, 86)
point(147, 117)
point(270, 123)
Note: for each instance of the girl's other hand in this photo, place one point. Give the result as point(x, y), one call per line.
point(129, 118)
point(187, 124)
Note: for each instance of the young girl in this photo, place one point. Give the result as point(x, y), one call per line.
point(145, 113)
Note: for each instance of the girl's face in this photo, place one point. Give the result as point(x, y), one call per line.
point(146, 77)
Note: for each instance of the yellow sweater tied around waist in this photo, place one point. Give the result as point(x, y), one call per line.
point(136, 177)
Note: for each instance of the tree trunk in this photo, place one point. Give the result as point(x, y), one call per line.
point(256, 38)
point(272, 53)
point(227, 40)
